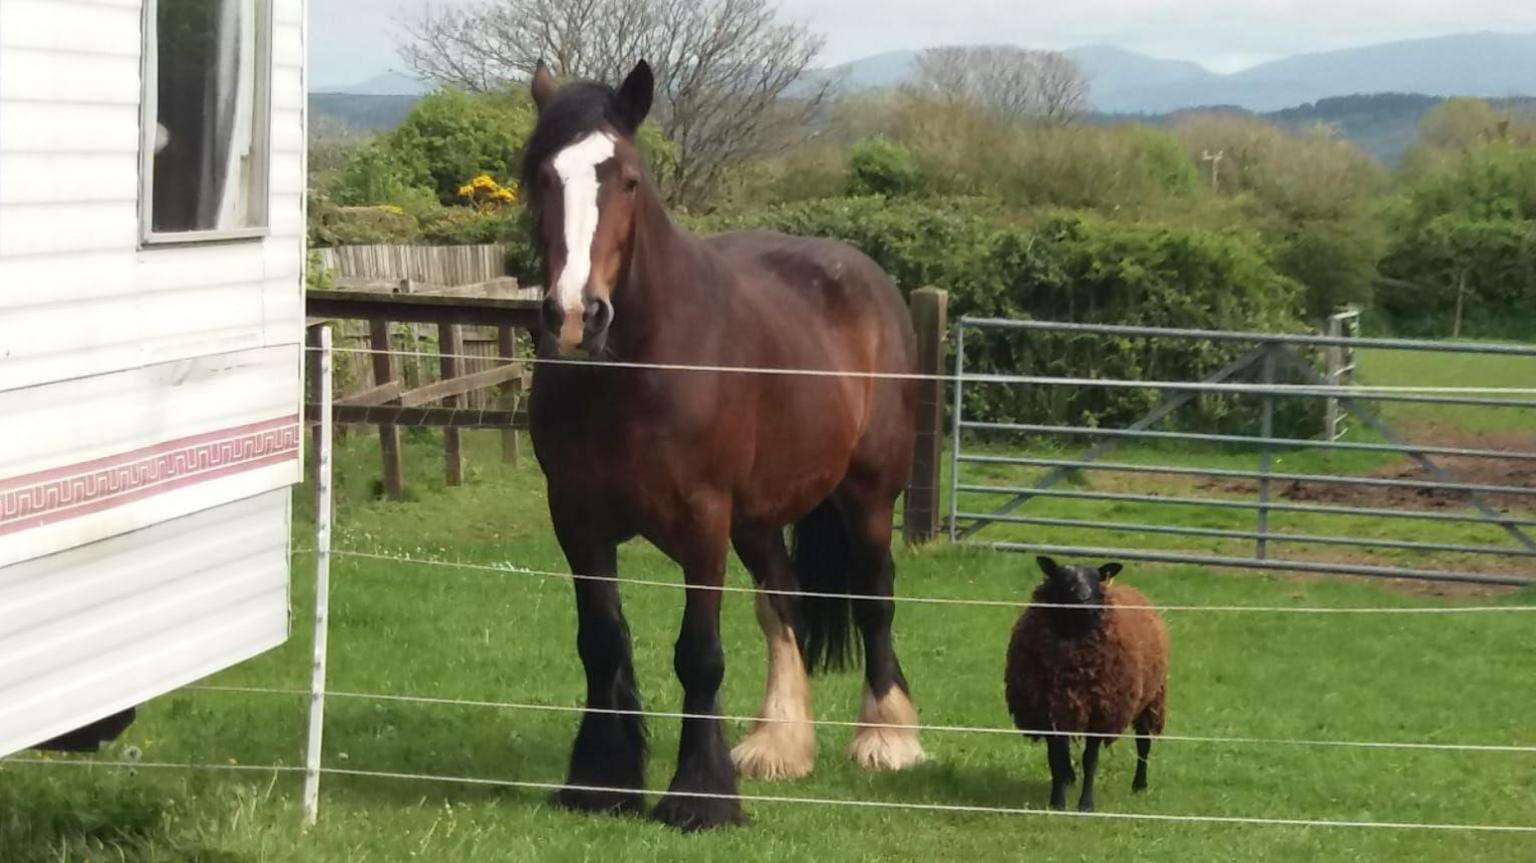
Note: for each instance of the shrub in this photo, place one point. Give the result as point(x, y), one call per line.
point(880, 166)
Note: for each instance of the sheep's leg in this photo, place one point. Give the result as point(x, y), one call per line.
point(1150, 722)
point(1090, 767)
point(1058, 752)
point(1143, 749)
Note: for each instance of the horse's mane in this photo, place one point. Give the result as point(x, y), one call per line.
point(576, 110)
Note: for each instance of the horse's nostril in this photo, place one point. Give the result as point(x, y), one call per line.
point(597, 315)
point(551, 314)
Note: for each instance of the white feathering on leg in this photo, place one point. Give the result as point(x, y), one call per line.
point(782, 744)
point(879, 748)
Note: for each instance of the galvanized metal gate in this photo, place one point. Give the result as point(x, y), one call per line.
point(1191, 505)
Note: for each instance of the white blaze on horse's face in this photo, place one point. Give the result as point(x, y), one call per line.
point(576, 166)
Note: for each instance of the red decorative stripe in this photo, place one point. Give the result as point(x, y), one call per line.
point(69, 492)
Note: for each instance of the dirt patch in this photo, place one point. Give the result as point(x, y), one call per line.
point(1514, 473)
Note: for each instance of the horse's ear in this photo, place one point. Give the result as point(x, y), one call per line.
point(1109, 570)
point(543, 86)
point(1048, 566)
point(635, 95)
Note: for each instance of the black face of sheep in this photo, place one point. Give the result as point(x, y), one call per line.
point(1075, 585)
point(1090, 657)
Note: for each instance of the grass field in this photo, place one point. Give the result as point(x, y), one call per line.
point(506, 636)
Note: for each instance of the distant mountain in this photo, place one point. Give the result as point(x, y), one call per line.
point(1490, 65)
point(386, 84)
point(1117, 77)
point(341, 113)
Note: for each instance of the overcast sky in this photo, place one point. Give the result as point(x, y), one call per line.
point(353, 40)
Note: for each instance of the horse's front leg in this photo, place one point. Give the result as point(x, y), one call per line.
point(609, 752)
point(703, 792)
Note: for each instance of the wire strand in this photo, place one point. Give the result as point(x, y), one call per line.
point(898, 805)
point(508, 569)
point(837, 723)
point(1038, 380)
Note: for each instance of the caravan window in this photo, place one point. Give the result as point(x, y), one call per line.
point(207, 85)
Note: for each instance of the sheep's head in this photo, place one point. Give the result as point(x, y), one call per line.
point(1075, 585)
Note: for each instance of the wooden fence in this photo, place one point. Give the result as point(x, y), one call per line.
point(438, 265)
point(434, 266)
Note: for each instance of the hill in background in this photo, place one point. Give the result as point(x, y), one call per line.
point(1374, 96)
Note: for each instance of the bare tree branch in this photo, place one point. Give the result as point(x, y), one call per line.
point(1013, 84)
point(727, 71)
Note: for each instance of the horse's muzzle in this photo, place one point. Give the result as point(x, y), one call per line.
point(568, 337)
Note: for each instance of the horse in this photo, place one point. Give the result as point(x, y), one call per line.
point(656, 419)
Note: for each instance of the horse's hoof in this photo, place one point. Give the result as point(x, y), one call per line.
point(601, 802)
point(776, 753)
point(1085, 805)
point(886, 750)
point(690, 814)
point(1139, 786)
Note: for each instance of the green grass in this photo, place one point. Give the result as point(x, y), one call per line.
point(467, 634)
point(1402, 368)
point(510, 637)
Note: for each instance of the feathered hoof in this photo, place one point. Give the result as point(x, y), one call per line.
point(776, 751)
point(601, 802)
point(691, 814)
point(886, 750)
point(887, 737)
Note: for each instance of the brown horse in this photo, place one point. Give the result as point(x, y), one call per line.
point(700, 461)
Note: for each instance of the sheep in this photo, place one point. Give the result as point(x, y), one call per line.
point(1091, 670)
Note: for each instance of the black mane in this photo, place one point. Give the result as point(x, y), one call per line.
point(579, 108)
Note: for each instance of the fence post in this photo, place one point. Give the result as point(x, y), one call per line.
point(506, 348)
point(930, 316)
point(389, 436)
point(451, 346)
point(313, 372)
point(323, 397)
point(1267, 456)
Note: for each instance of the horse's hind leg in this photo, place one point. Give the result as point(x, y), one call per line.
point(887, 736)
point(610, 749)
point(782, 745)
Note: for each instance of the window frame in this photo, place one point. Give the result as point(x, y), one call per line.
point(149, 120)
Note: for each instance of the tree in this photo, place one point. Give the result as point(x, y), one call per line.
point(726, 70)
point(1013, 84)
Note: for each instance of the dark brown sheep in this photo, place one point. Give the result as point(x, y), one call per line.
point(1092, 670)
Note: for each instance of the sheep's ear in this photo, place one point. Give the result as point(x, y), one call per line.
point(1048, 566)
point(1109, 570)
point(543, 86)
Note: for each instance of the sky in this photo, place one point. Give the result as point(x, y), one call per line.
point(353, 40)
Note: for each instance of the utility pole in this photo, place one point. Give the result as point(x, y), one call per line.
point(1215, 160)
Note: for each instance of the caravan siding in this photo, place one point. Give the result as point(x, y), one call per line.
point(149, 394)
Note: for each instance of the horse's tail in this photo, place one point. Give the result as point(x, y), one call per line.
point(823, 558)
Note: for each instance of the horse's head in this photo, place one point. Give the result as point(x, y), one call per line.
point(581, 175)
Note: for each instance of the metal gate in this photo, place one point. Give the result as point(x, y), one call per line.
point(1316, 497)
